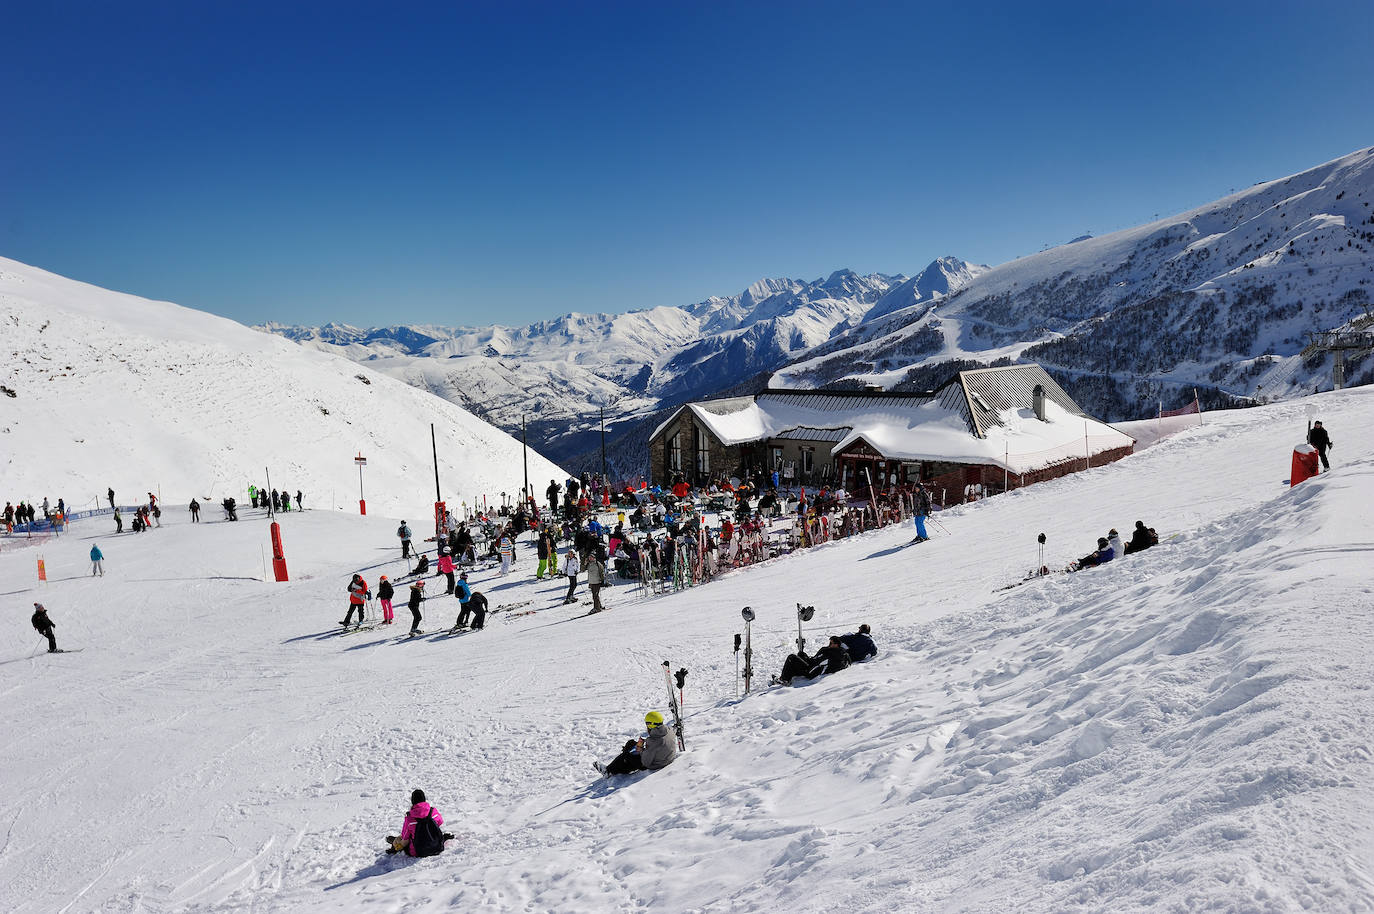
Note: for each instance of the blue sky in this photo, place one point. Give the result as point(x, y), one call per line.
point(479, 163)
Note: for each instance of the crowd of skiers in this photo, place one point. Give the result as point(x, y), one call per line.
point(277, 500)
point(25, 515)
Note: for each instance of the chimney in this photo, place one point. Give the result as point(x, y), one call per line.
point(1038, 401)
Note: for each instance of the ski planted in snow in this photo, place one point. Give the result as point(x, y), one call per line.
point(673, 703)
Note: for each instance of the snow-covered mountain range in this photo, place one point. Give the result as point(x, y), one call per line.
point(558, 374)
point(1221, 296)
point(106, 390)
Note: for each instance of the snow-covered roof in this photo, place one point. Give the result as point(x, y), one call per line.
point(984, 416)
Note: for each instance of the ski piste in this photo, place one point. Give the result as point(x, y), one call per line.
point(672, 700)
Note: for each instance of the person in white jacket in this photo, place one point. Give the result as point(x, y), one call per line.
point(570, 568)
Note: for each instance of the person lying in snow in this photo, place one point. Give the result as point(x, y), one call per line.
point(420, 834)
point(830, 659)
point(859, 644)
point(655, 750)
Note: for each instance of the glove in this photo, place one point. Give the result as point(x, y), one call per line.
point(369, 595)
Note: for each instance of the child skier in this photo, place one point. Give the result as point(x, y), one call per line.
point(384, 594)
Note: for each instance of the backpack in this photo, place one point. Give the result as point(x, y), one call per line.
point(428, 840)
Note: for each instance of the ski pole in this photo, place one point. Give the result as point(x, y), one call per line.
point(1041, 563)
point(681, 677)
point(737, 640)
point(748, 614)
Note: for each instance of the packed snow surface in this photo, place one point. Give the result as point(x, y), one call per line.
point(1183, 729)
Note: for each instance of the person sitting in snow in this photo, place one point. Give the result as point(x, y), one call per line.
point(420, 834)
point(860, 644)
point(655, 750)
point(1102, 556)
point(1142, 538)
point(830, 659)
point(1114, 540)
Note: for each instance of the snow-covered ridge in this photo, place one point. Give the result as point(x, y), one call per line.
point(112, 390)
point(1221, 296)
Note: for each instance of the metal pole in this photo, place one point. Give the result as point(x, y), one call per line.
point(434, 448)
point(525, 459)
point(268, 474)
point(604, 479)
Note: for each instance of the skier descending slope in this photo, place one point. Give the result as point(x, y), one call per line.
point(44, 626)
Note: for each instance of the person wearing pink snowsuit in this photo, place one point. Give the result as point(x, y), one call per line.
point(417, 812)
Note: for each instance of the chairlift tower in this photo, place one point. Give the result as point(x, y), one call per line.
point(1339, 343)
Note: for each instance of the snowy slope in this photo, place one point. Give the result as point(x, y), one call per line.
point(1187, 729)
point(112, 390)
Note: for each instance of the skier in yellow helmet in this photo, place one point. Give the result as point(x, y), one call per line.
point(656, 749)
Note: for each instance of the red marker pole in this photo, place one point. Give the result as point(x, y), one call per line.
point(361, 461)
point(278, 555)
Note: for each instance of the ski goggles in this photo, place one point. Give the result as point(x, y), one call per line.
point(651, 726)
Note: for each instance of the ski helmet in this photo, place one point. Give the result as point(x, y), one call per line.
point(653, 719)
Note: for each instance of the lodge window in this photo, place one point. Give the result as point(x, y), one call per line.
point(703, 454)
point(777, 458)
point(808, 459)
point(675, 451)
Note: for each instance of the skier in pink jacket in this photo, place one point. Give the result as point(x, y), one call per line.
point(446, 566)
point(420, 834)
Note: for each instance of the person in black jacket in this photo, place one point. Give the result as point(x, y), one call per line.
point(860, 644)
point(1319, 439)
point(417, 594)
point(477, 605)
point(44, 626)
point(1142, 538)
point(830, 659)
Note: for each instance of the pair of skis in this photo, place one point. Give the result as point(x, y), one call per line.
point(675, 698)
